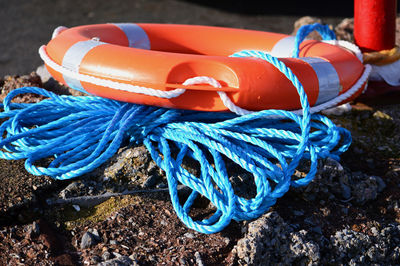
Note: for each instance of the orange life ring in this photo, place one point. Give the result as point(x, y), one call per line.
point(162, 57)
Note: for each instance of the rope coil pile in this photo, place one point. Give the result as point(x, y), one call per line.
point(78, 134)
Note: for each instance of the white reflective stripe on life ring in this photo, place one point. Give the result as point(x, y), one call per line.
point(137, 37)
point(73, 58)
point(284, 47)
point(328, 78)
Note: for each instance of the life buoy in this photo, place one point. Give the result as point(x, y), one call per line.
point(149, 63)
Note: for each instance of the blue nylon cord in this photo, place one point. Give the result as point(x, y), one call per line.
point(80, 133)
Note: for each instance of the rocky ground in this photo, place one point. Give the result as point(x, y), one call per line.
point(121, 213)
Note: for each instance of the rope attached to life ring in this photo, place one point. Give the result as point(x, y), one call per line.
point(383, 57)
point(78, 134)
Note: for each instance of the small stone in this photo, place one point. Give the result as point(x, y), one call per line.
point(346, 191)
point(73, 186)
point(35, 228)
point(380, 182)
point(113, 242)
point(374, 231)
point(106, 255)
point(358, 150)
point(199, 261)
point(161, 185)
point(150, 181)
point(122, 260)
point(95, 259)
point(32, 231)
point(381, 115)
point(70, 189)
point(298, 213)
point(317, 230)
point(138, 152)
point(116, 254)
point(14, 255)
point(31, 253)
point(182, 261)
point(152, 166)
point(42, 72)
point(96, 234)
point(189, 235)
point(76, 207)
point(88, 240)
point(227, 240)
point(309, 220)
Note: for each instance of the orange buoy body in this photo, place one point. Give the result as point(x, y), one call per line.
point(162, 57)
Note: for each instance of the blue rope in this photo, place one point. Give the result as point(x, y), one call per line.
point(324, 30)
point(78, 134)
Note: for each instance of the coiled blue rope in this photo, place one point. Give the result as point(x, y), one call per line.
point(78, 134)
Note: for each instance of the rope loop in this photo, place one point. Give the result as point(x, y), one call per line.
point(324, 30)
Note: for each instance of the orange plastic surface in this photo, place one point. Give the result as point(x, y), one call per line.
point(179, 52)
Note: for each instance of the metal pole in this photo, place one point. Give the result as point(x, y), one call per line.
point(375, 24)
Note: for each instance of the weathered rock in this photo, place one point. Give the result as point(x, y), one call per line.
point(120, 261)
point(106, 255)
point(199, 261)
point(42, 72)
point(150, 181)
point(95, 234)
point(350, 247)
point(88, 240)
point(367, 189)
point(304, 251)
point(33, 230)
point(270, 239)
point(71, 190)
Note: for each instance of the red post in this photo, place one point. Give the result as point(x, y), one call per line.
point(375, 24)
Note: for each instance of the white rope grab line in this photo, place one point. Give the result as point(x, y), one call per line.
point(224, 97)
point(107, 83)
point(349, 46)
point(57, 31)
point(204, 80)
point(315, 109)
point(140, 89)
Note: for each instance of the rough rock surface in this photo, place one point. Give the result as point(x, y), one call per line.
point(269, 239)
